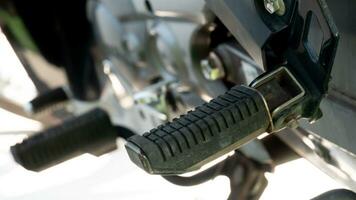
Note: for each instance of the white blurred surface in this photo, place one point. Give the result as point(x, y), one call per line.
point(14, 82)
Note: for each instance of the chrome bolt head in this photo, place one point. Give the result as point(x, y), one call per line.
point(212, 67)
point(275, 6)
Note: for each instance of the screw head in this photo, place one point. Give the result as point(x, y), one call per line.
point(275, 6)
point(212, 67)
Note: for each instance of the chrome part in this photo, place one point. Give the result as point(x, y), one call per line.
point(234, 65)
point(330, 158)
point(165, 53)
point(154, 97)
point(212, 67)
point(171, 16)
point(275, 6)
point(200, 49)
point(121, 92)
point(144, 61)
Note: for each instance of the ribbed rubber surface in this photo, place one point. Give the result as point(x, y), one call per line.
point(89, 133)
point(206, 133)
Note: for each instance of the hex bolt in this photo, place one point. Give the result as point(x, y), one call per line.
point(275, 6)
point(212, 67)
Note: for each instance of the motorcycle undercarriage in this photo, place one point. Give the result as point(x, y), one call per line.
point(156, 65)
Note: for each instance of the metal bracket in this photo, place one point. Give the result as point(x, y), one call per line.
point(281, 90)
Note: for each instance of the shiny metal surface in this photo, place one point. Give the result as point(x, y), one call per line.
point(275, 6)
point(330, 158)
point(144, 62)
point(166, 16)
point(212, 67)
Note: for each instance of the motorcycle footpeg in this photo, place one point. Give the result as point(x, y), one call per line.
point(47, 101)
point(89, 133)
point(210, 131)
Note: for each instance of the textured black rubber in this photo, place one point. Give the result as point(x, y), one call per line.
point(211, 130)
point(48, 100)
point(89, 133)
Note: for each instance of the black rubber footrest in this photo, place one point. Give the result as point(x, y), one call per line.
point(88, 133)
point(47, 100)
point(211, 130)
